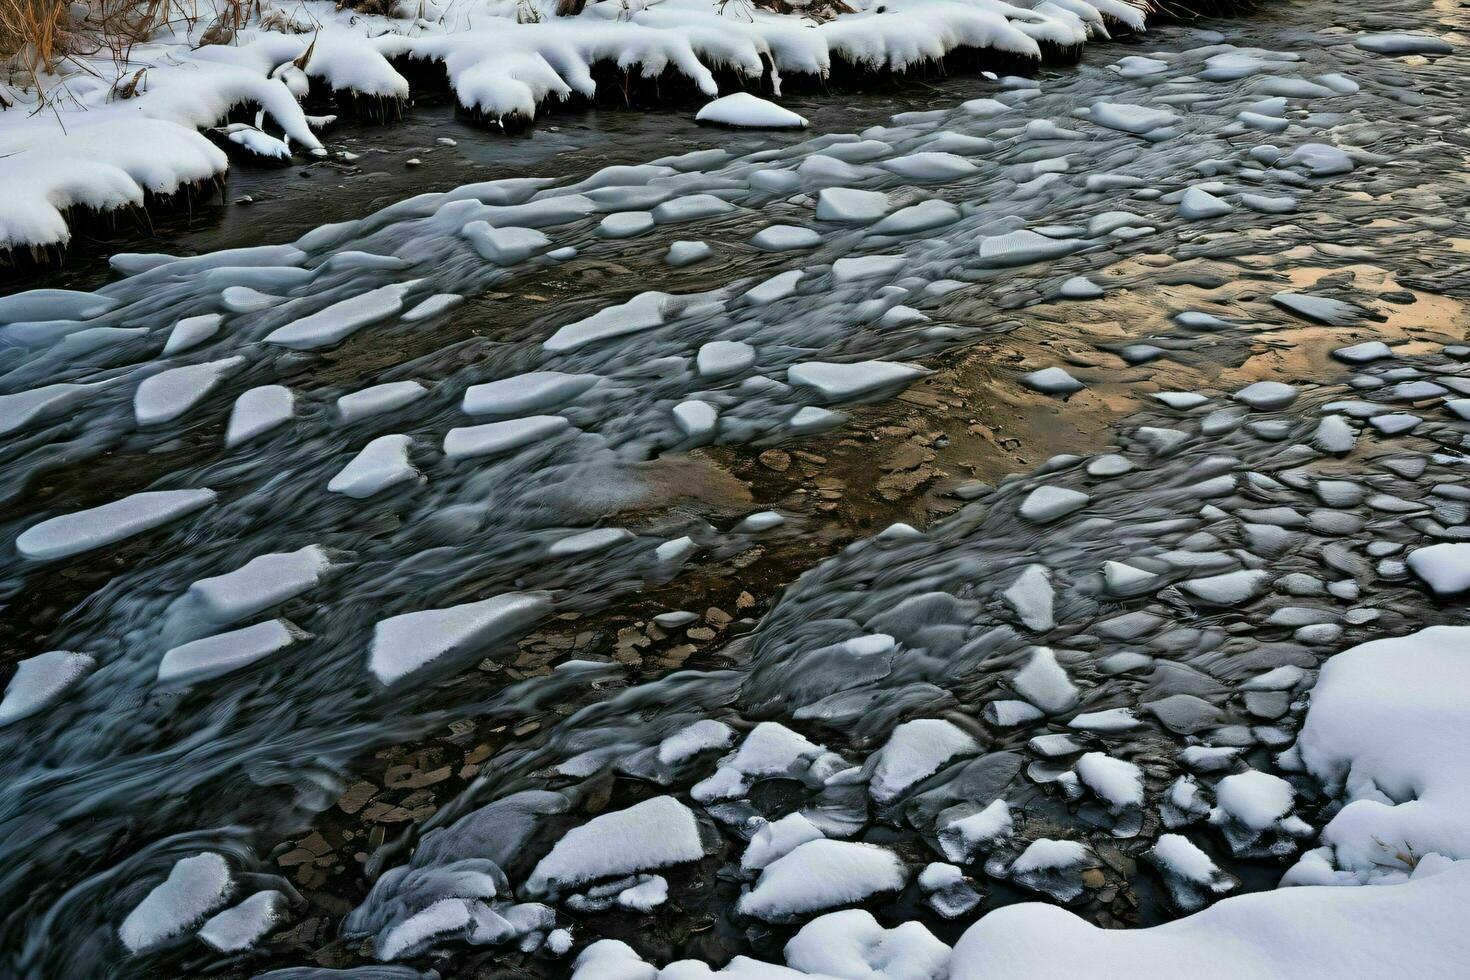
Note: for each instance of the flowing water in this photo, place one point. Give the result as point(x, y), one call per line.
point(343, 752)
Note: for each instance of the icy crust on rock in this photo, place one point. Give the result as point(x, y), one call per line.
point(653, 834)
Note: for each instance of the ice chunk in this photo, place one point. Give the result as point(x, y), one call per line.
point(535, 391)
point(166, 395)
point(723, 357)
point(20, 409)
point(504, 246)
point(214, 656)
point(852, 380)
point(785, 238)
point(1128, 118)
point(929, 166)
point(262, 582)
point(1047, 503)
point(853, 269)
point(242, 926)
point(495, 438)
point(586, 542)
point(258, 411)
point(84, 530)
point(1266, 395)
point(822, 874)
point(850, 204)
point(1198, 204)
point(1031, 596)
point(1052, 381)
point(696, 419)
point(642, 312)
point(745, 110)
point(1024, 247)
point(191, 332)
point(195, 887)
point(1230, 588)
point(433, 306)
point(405, 643)
point(1393, 42)
point(380, 464)
point(40, 680)
point(378, 399)
point(625, 224)
point(778, 287)
point(656, 833)
point(341, 319)
point(681, 254)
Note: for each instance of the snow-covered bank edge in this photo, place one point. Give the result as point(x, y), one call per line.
point(100, 152)
point(1387, 733)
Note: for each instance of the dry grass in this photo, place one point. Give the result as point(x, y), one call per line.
point(38, 36)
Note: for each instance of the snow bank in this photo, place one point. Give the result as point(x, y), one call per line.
point(1411, 931)
point(111, 149)
point(1388, 732)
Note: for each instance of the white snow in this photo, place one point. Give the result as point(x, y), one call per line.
point(495, 438)
point(822, 874)
point(1444, 567)
point(746, 110)
point(85, 530)
point(405, 643)
point(655, 833)
point(777, 839)
point(1117, 782)
point(916, 750)
point(1388, 733)
point(961, 838)
point(851, 944)
point(1412, 931)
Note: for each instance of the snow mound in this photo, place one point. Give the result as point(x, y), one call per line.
point(653, 834)
point(745, 110)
